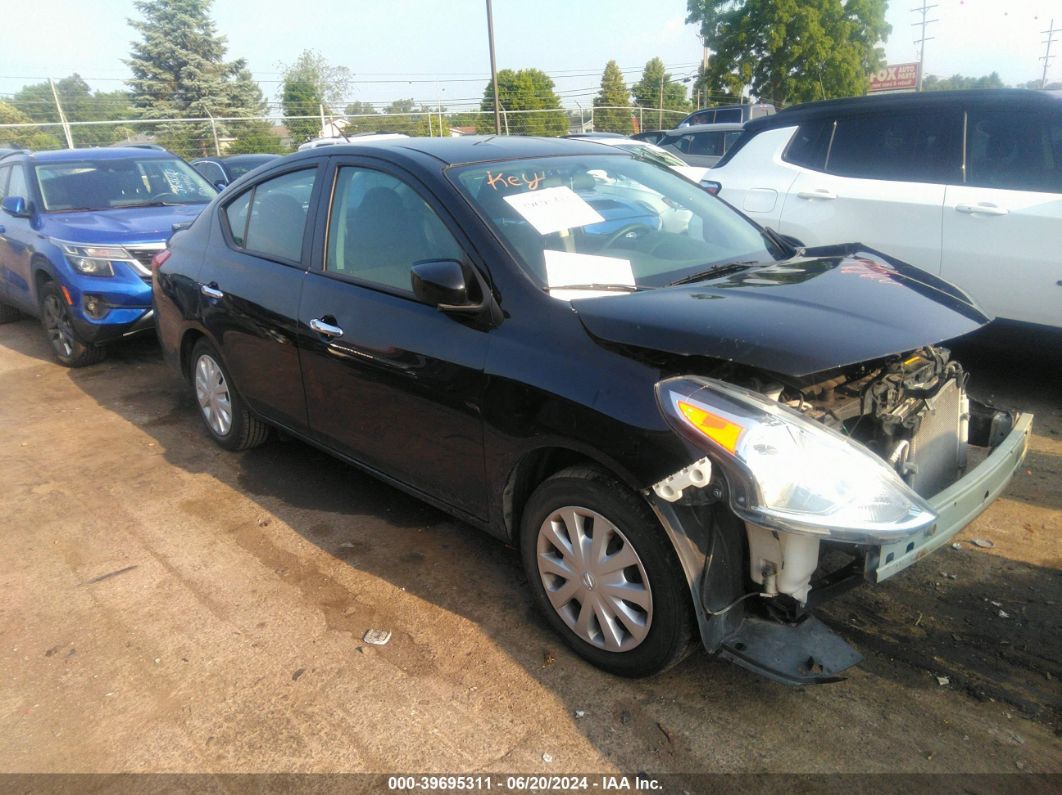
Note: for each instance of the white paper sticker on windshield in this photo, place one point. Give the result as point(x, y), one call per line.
point(566, 270)
point(552, 209)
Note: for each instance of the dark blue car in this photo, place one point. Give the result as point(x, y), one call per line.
point(78, 232)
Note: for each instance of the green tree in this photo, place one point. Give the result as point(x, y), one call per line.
point(934, 83)
point(27, 137)
point(524, 90)
point(360, 117)
point(79, 104)
point(608, 117)
point(256, 137)
point(790, 51)
point(311, 86)
point(403, 116)
point(656, 85)
point(179, 70)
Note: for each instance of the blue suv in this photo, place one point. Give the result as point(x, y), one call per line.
point(78, 231)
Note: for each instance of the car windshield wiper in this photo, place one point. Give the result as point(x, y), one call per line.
point(716, 270)
point(151, 204)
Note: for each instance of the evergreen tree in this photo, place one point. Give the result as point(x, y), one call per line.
point(311, 86)
point(790, 51)
point(657, 89)
point(179, 70)
point(608, 117)
point(523, 90)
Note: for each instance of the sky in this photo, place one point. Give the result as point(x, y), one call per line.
point(436, 52)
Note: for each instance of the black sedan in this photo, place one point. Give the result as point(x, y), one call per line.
point(690, 426)
point(220, 171)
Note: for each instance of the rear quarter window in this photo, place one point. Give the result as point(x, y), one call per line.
point(1014, 151)
point(809, 144)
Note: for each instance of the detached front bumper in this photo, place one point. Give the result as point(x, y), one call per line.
point(956, 506)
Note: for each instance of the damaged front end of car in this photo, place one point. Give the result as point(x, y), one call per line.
point(806, 486)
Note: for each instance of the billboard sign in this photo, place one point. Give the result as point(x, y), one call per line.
point(897, 77)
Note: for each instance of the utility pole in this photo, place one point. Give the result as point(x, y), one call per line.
point(494, 74)
point(660, 118)
point(62, 116)
point(214, 130)
point(1047, 52)
point(923, 10)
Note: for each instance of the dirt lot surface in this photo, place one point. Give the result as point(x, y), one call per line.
point(171, 607)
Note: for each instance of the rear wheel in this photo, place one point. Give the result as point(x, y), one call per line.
point(58, 325)
point(604, 574)
point(223, 411)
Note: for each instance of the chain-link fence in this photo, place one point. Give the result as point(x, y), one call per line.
point(194, 137)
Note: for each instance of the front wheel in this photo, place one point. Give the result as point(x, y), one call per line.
point(604, 574)
point(222, 409)
point(58, 325)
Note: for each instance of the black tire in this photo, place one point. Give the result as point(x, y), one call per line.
point(67, 347)
point(8, 314)
point(243, 430)
point(670, 623)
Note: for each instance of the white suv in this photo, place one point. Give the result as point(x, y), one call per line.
point(966, 185)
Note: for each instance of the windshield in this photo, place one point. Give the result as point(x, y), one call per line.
point(653, 154)
point(126, 182)
point(600, 221)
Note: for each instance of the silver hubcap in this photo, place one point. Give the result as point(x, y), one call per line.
point(213, 395)
point(594, 579)
point(57, 323)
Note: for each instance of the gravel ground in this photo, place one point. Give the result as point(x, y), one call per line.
point(172, 608)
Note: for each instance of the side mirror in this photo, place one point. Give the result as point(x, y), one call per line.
point(441, 283)
point(220, 185)
point(16, 206)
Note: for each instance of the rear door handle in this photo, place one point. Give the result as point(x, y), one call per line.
point(981, 209)
point(327, 329)
point(821, 193)
point(211, 290)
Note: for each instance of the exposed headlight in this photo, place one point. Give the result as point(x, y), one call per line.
point(94, 260)
point(788, 472)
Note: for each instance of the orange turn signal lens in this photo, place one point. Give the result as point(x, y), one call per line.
point(719, 429)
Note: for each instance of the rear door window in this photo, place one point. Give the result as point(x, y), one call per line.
point(904, 147)
point(1014, 151)
point(270, 219)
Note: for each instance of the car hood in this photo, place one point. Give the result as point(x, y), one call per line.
point(793, 318)
point(118, 226)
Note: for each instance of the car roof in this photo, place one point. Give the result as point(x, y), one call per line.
point(263, 156)
point(466, 149)
point(99, 153)
point(1006, 98)
point(722, 126)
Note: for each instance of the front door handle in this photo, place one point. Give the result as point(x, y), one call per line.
point(820, 193)
point(211, 290)
point(981, 209)
point(327, 329)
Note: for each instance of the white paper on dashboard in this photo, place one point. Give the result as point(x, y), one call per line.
point(565, 269)
point(552, 209)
